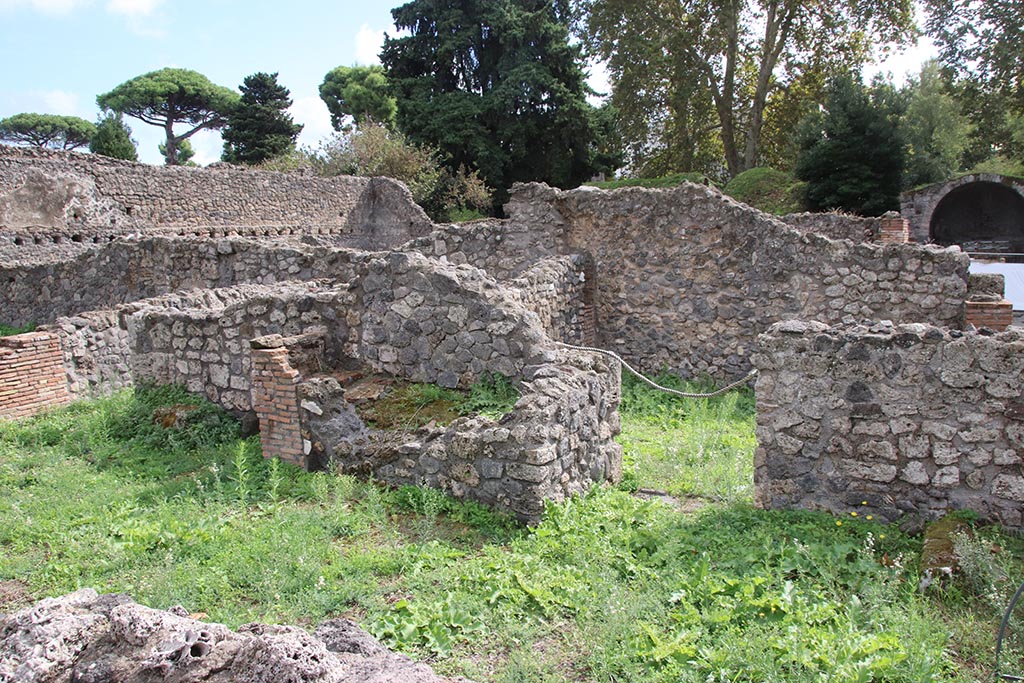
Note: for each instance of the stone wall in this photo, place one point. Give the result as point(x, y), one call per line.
point(95, 352)
point(503, 248)
point(74, 197)
point(556, 442)
point(835, 225)
point(405, 316)
point(559, 291)
point(685, 279)
point(132, 270)
point(31, 374)
point(907, 418)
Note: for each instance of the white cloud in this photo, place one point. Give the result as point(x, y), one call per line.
point(369, 41)
point(55, 7)
point(312, 113)
point(46, 102)
point(133, 8)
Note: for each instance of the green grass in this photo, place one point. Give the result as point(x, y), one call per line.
point(702, 448)
point(8, 330)
point(769, 190)
point(413, 405)
point(608, 587)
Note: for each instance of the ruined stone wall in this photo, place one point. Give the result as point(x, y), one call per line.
point(31, 374)
point(687, 278)
point(411, 317)
point(505, 249)
point(205, 348)
point(72, 197)
point(558, 291)
point(836, 226)
point(94, 351)
point(557, 441)
point(131, 270)
point(907, 418)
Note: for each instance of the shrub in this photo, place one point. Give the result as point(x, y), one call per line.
point(769, 190)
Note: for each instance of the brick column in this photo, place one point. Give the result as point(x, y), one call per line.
point(32, 375)
point(995, 315)
point(276, 403)
point(894, 229)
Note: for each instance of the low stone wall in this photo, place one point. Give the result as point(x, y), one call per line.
point(31, 374)
point(410, 317)
point(72, 197)
point(836, 226)
point(685, 279)
point(557, 441)
point(95, 352)
point(132, 270)
point(205, 348)
point(907, 418)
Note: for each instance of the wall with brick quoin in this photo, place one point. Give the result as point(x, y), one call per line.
point(68, 198)
point(412, 317)
point(31, 374)
point(909, 418)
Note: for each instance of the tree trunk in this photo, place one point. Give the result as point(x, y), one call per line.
point(172, 143)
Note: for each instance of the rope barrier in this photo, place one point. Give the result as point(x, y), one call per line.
point(667, 390)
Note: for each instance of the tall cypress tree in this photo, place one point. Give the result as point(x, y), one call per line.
point(113, 138)
point(497, 87)
point(260, 128)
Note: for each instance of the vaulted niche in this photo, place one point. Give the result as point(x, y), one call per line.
point(981, 217)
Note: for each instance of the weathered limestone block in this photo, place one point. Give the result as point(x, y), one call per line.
point(84, 636)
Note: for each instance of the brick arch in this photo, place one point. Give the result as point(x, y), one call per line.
point(993, 204)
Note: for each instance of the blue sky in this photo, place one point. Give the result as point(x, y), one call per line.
point(60, 54)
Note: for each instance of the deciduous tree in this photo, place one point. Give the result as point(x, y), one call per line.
point(980, 45)
point(259, 127)
point(935, 131)
point(169, 97)
point(47, 130)
point(359, 92)
point(682, 69)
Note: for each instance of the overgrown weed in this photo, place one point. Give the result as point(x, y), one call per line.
point(606, 587)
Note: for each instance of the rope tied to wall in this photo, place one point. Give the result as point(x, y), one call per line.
point(655, 385)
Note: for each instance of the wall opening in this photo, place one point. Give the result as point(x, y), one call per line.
point(983, 218)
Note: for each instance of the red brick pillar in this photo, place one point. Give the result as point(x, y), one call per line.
point(276, 403)
point(894, 229)
point(995, 315)
point(32, 375)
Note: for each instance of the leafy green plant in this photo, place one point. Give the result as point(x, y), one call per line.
point(433, 626)
point(492, 395)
